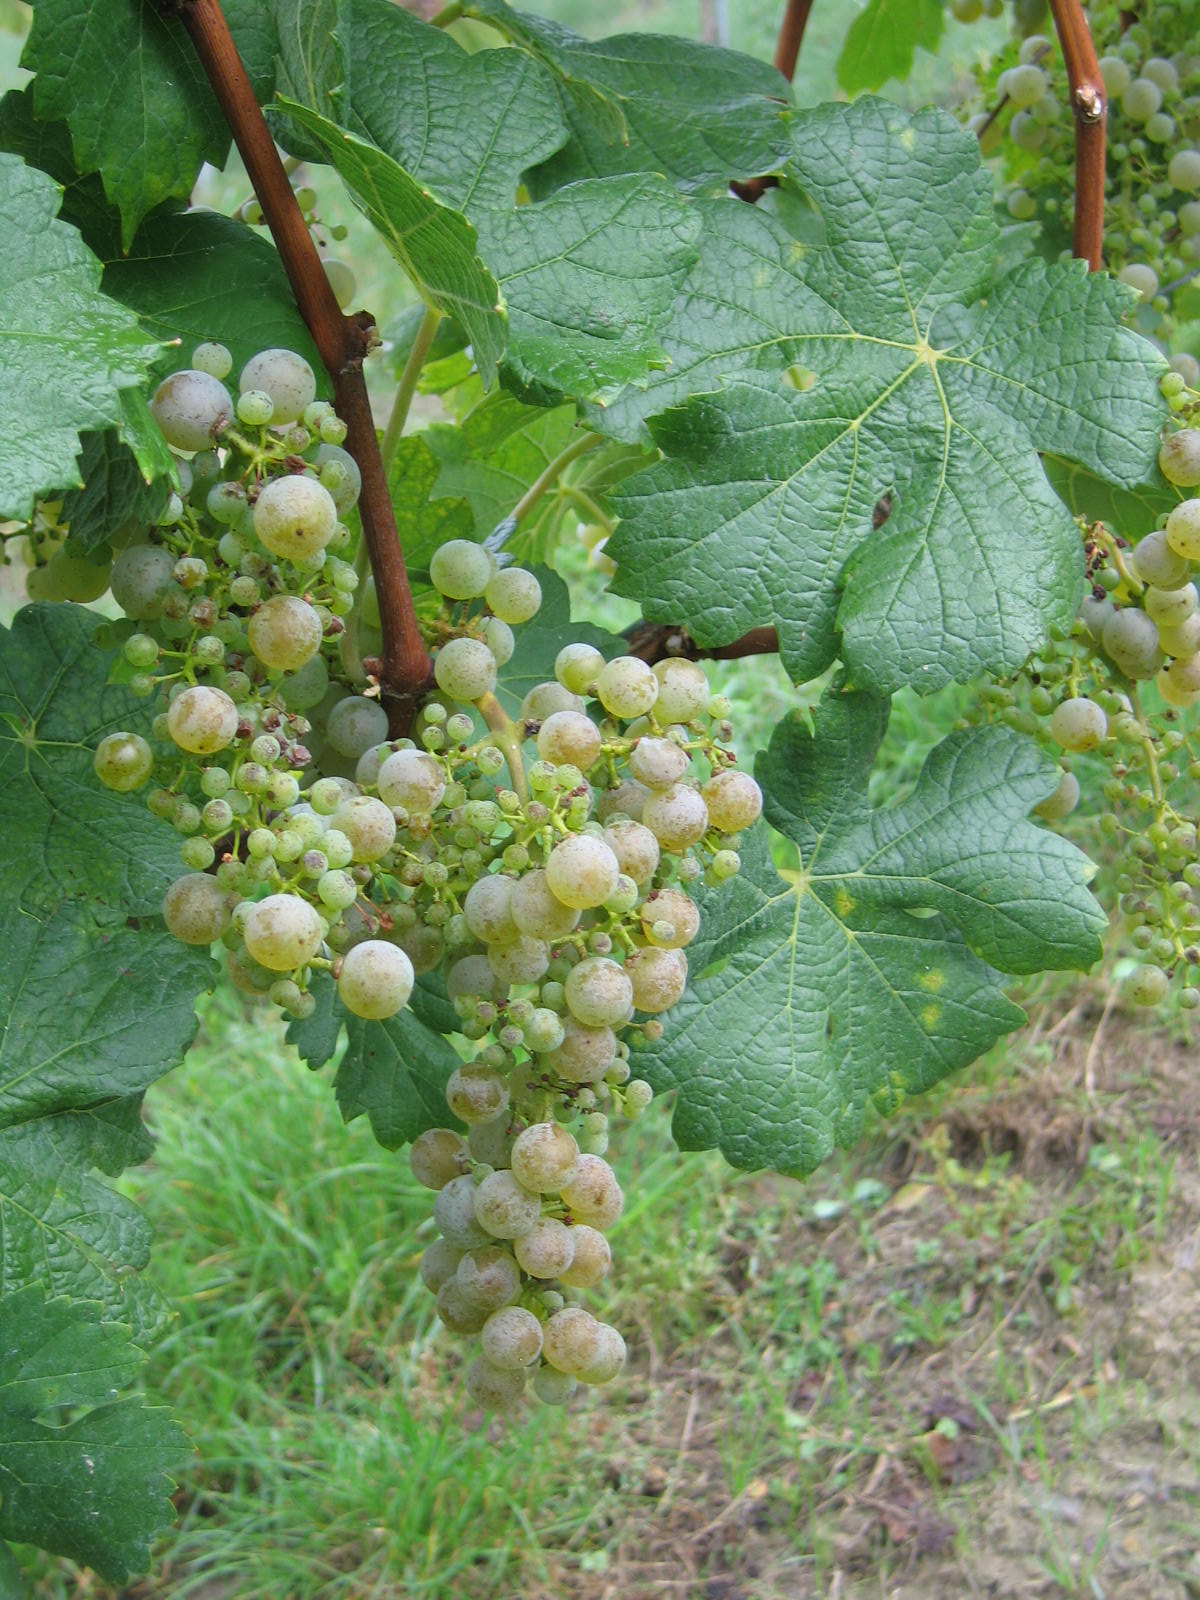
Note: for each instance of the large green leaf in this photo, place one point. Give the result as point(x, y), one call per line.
point(641, 102)
point(424, 523)
point(89, 1015)
point(588, 274)
point(410, 86)
point(197, 275)
point(310, 65)
point(1132, 511)
point(66, 350)
point(394, 1072)
point(874, 967)
point(434, 244)
point(114, 490)
point(882, 41)
point(929, 382)
point(66, 836)
point(127, 82)
point(94, 1486)
point(65, 1228)
point(48, 145)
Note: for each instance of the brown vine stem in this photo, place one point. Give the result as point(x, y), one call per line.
point(787, 53)
point(343, 343)
point(1090, 108)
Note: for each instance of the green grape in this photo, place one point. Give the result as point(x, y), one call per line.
point(536, 910)
point(286, 377)
point(659, 978)
point(1024, 85)
point(282, 932)
point(465, 669)
point(669, 909)
point(494, 1388)
point(1079, 724)
point(285, 633)
point(1183, 640)
point(1117, 76)
point(582, 871)
point(677, 817)
point(592, 1193)
point(1179, 458)
point(489, 1278)
point(498, 637)
point(439, 1263)
point(658, 763)
point(545, 698)
point(1182, 532)
point(1170, 607)
point(212, 358)
point(349, 484)
point(1141, 277)
point(1141, 99)
point(585, 1054)
point(512, 1338)
point(476, 1094)
point(454, 1213)
point(436, 1156)
point(355, 724)
point(569, 736)
point(514, 595)
point(1174, 683)
point(411, 780)
point(1062, 802)
point(734, 800)
point(598, 992)
point(1156, 561)
point(553, 1388)
point(503, 1209)
point(1131, 639)
point(295, 517)
point(368, 826)
point(626, 687)
point(341, 280)
point(77, 577)
point(544, 1157)
point(591, 1259)
point(572, 1340)
point(1148, 986)
point(636, 849)
point(202, 720)
point(192, 408)
point(683, 691)
point(519, 960)
point(460, 570)
point(546, 1250)
point(140, 579)
point(123, 761)
point(197, 910)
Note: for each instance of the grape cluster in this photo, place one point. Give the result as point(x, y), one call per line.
point(541, 861)
point(1151, 74)
point(1122, 686)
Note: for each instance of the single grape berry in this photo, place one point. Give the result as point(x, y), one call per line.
point(376, 979)
point(202, 720)
point(282, 932)
point(1078, 724)
point(192, 407)
point(123, 761)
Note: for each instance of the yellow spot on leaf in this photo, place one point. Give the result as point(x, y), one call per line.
point(930, 1018)
point(933, 980)
point(845, 904)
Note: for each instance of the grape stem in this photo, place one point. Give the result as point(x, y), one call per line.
point(343, 343)
point(508, 739)
point(1090, 107)
point(448, 14)
point(1156, 786)
point(546, 480)
point(654, 641)
point(426, 333)
point(787, 53)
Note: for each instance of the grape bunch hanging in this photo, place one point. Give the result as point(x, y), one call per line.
point(542, 862)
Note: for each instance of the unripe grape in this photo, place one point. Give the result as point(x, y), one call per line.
point(1162, 72)
point(1078, 724)
point(598, 992)
point(1183, 170)
point(285, 632)
point(1156, 561)
point(592, 1194)
point(582, 871)
point(439, 1264)
point(477, 1094)
point(514, 595)
point(544, 1157)
point(255, 408)
point(572, 1341)
point(569, 737)
point(577, 666)
point(607, 1360)
point(1062, 802)
point(140, 579)
point(1141, 277)
point(1179, 458)
point(494, 1388)
point(341, 280)
point(436, 1156)
point(677, 816)
point(455, 1312)
point(1182, 532)
point(489, 1278)
point(546, 1250)
point(465, 669)
point(627, 799)
point(77, 577)
point(626, 687)
point(519, 960)
point(355, 724)
point(512, 1338)
point(733, 799)
point(286, 377)
point(282, 932)
point(591, 1259)
point(488, 909)
point(460, 569)
point(1024, 85)
point(1171, 607)
point(498, 637)
point(1021, 205)
point(1141, 100)
point(345, 495)
point(123, 761)
point(1148, 986)
point(473, 976)
point(683, 690)
point(1183, 640)
point(454, 1213)
point(659, 978)
point(536, 911)
point(212, 358)
point(295, 517)
point(503, 1208)
point(202, 720)
point(1116, 74)
point(658, 763)
point(196, 909)
point(368, 824)
point(412, 780)
point(636, 849)
point(491, 1142)
point(585, 1054)
point(678, 911)
point(191, 408)
point(1131, 639)
point(1185, 672)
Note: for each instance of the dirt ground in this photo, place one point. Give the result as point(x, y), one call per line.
point(1042, 1447)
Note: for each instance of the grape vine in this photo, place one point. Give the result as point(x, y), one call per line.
point(297, 704)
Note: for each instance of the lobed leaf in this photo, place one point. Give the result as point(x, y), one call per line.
point(881, 42)
point(875, 965)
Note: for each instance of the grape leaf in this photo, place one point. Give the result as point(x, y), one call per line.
point(434, 244)
point(147, 124)
point(109, 1135)
point(113, 491)
point(1130, 511)
point(882, 41)
point(196, 275)
point(68, 1230)
point(641, 102)
point(65, 348)
point(67, 836)
point(875, 967)
point(540, 640)
point(393, 1071)
point(587, 275)
point(95, 1487)
point(48, 145)
point(763, 510)
point(87, 1014)
point(423, 523)
point(310, 65)
point(409, 84)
